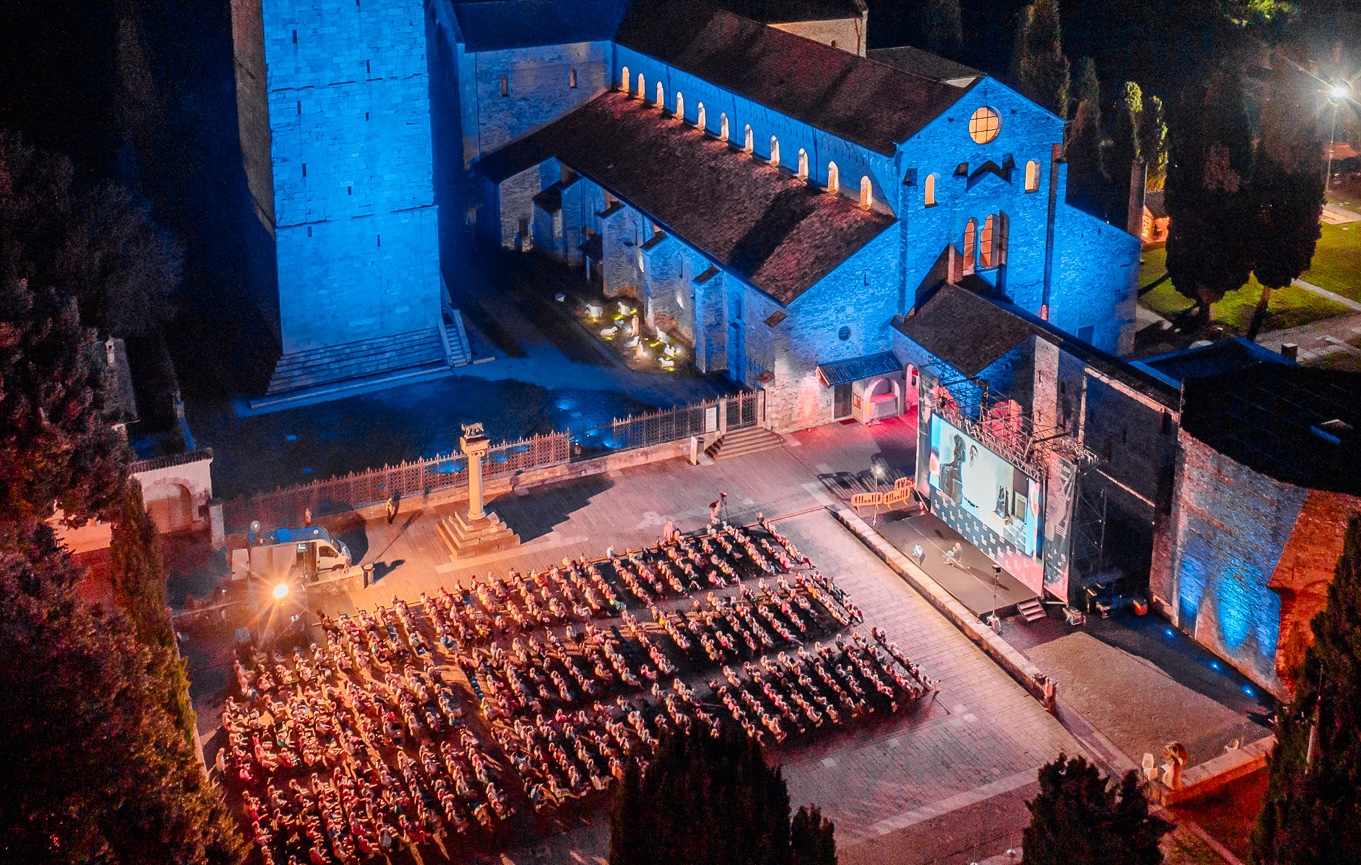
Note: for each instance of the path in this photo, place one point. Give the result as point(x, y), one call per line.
point(1317, 339)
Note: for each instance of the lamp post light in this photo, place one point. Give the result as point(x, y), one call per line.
point(1339, 92)
point(281, 591)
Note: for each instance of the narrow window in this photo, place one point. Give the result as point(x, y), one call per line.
point(1032, 176)
point(749, 141)
point(625, 79)
point(929, 198)
point(803, 164)
point(866, 192)
point(985, 243)
point(833, 178)
point(309, 231)
point(1000, 239)
point(680, 106)
point(661, 96)
point(774, 151)
point(722, 127)
point(970, 241)
point(349, 190)
point(572, 78)
point(505, 86)
point(368, 67)
point(380, 240)
point(295, 37)
point(299, 106)
point(304, 169)
point(700, 120)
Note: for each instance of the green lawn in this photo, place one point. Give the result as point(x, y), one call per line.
point(1337, 260)
point(1289, 307)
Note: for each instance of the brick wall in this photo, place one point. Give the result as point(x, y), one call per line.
point(1228, 528)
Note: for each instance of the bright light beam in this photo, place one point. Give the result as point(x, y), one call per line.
point(280, 591)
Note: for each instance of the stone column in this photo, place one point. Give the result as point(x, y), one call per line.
point(474, 446)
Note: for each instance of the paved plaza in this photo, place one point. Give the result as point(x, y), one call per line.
point(944, 780)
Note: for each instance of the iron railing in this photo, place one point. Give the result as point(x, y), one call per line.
point(336, 495)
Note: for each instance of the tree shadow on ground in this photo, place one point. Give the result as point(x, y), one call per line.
point(382, 569)
point(535, 513)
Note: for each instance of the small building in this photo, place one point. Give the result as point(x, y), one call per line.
point(1156, 222)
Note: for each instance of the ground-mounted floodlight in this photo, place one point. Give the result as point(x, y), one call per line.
point(1339, 92)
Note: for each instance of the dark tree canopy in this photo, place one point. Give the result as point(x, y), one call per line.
point(1042, 68)
point(1080, 818)
point(703, 801)
point(1287, 178)
point(95, 768)
point(1312, 813)
point(57, 446)
point(97, 245)
point(812, 838)
point(1208, 194)
point(944, 30)
point(1086, 178)
point(1153, 141)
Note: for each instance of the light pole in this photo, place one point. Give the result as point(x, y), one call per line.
point(1339, 91)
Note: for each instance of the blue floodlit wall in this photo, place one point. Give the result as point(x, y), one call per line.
point(354, 216)
point(1096, 272)
point(1228, 528)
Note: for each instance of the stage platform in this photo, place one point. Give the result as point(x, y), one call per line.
point(971, 584)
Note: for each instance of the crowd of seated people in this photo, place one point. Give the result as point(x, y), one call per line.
point(344, 750)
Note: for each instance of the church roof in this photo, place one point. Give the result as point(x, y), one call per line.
point(923, 63)
point(497, 25)
point(761, 223)
point(864, 102)
point(970, 331)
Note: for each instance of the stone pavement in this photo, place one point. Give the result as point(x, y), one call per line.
point(944, 781)
point(1318, 339)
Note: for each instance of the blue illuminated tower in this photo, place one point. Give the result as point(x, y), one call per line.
point(335, 129)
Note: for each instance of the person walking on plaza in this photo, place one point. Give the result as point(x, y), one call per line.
point(392, 509)
point(952, 556)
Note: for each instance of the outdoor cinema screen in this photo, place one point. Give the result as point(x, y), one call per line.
point(969, 477)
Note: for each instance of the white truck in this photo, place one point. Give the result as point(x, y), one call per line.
point(302, 554)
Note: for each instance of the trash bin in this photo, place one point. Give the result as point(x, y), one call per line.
point(368, 575)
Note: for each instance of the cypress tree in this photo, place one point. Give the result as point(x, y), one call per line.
point(944, 31)
point(1042, 71)
point(1086, 180)
point(1080, 818)
point(812, 838)
point(1153, 141)
point(703, 801)
point(1287, 185)
point(1212, 233)
point(1312, 812)
point(1123, 150)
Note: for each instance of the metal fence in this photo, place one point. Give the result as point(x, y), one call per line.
point(450, 472)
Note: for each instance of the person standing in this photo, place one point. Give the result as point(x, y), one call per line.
point(392, 509)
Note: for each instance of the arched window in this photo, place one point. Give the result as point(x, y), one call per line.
point(700, 119)
point(774, 151)
point(929, 195)
point(866, 192)
point(722, 127)
point(642, 87)
point(999, 239)
point(985, 243)
point(970, 243)
point(661, 96)
point(803, 164)
point(1032, 176)
point(748, 140)
point(680, 106)
point(625, 79)
point(833, 178)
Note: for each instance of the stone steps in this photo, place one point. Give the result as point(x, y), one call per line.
point(463, 537)
point(361, 359)
point(743, 442)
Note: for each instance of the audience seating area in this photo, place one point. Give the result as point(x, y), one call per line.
point(450, 720)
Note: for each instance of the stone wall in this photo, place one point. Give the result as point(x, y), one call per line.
point(1096, 271)
point(1228, 528)
point(252, 105)
point(848, 34)
point(352, 176)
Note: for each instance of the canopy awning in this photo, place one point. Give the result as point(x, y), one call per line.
point(857, 368)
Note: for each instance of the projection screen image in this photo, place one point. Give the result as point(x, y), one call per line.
point(978, 481)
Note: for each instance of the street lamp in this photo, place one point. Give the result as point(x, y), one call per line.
point(280, 591)
point(1338, 92)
